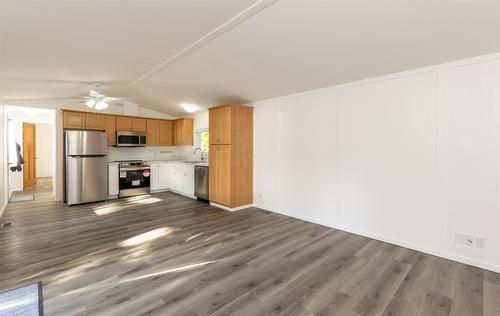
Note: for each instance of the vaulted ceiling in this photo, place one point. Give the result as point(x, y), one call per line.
point(166, 52)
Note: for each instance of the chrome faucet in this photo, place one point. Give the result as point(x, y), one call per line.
point(202, 157)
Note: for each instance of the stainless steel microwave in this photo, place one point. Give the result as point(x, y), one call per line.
point(130, 139)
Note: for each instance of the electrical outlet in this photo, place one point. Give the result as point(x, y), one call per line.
point(480, 243)
point(464, 239)
point(260, 196)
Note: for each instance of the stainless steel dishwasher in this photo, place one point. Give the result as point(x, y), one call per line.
point(201, 182)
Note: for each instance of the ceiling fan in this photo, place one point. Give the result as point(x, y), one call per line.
point(96, 99)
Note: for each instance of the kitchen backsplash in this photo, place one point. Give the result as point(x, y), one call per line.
point(152, 153)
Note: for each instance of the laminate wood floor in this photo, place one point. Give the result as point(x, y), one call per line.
point(165, 254)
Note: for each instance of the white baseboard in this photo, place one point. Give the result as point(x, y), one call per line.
point(231, 209)
point(435, 252)
point(3, 208)
point(159, 191)
point(180, 193)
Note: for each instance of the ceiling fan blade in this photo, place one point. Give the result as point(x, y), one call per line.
point(117, 98)
point(109, 83)
point(44, 98)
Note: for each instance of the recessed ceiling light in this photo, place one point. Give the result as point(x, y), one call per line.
point(189, 107)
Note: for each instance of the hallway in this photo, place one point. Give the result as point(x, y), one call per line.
point(42, 190)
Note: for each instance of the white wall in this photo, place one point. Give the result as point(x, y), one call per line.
point(410, 158)
point(201, 120)
point(4, 185)
point(44, 152)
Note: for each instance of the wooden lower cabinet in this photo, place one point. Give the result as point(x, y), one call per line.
point(220, 174)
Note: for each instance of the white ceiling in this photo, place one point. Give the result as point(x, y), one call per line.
point(163, 53)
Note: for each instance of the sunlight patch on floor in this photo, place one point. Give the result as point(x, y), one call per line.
point(193, 237)
point(177, 269)
point(124, 204)
point(146, 237)
point(75, 272)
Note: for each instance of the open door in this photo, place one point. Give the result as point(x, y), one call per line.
point(29, 152)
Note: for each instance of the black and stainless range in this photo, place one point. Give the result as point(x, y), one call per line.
point(135, 177)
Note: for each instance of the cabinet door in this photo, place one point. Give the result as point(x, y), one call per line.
point(172, 179)
point(220, 174)
point(123, 123)
point(138, 124)
point(113, 180)
point(153, 132)
point(188, 132)
point(220, 126)
point(225, 126)
point(154, 177)
point(186, 180)
point(163, 172)
point(73, 120)
point(166, 133)
point(214, 127)
point(184, 132)
point(178, 132)
point(111, 129)
point(95, 121)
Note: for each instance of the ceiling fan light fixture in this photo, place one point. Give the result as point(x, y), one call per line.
point(91, 103)
point(101, 105)
point(189, 107)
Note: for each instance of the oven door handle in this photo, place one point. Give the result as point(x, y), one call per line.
point(134, 169)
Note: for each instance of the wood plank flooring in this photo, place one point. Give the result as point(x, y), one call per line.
point(165, 254)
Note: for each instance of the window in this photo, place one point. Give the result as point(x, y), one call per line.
point(202, 140)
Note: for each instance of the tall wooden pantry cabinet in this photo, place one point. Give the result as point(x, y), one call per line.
point(231, 155)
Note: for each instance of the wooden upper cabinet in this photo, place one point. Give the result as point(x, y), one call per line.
point(95, 121)
point(73, 120)
point(138, 124)
point(111, 129)
point(159, 132)
point(123, 123)
point(184, 132)
point(153, 132)
point(220, 125)
point(166, 133)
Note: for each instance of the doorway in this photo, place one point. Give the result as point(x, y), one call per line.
point(29, 150)
point(31, 143)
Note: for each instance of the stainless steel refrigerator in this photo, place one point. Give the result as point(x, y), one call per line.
point(86, 172)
